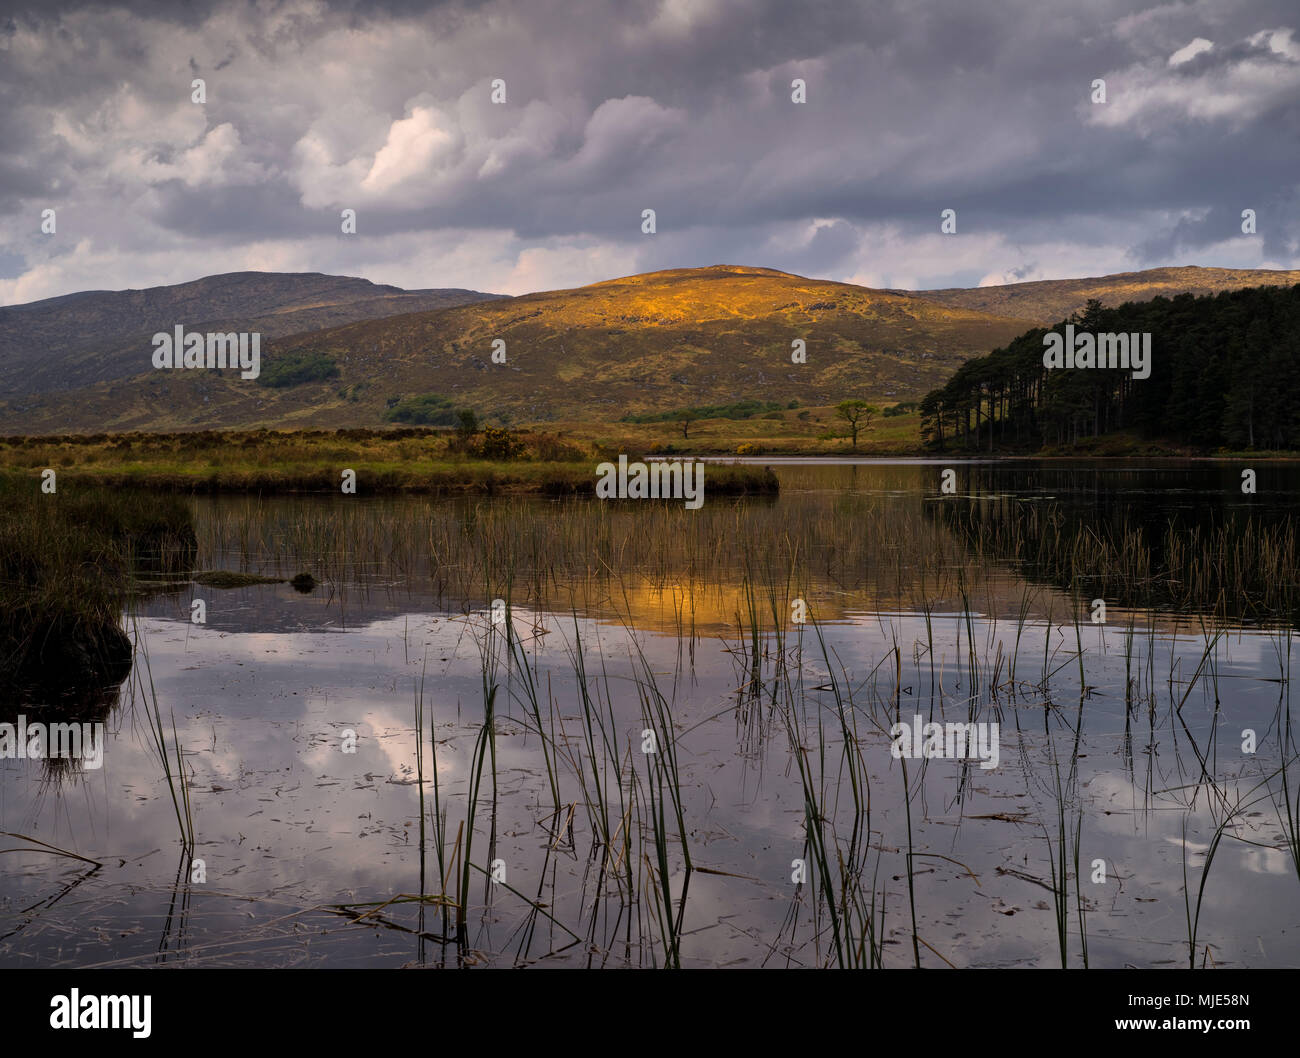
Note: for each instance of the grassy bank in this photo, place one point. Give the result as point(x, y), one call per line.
point(419, 460)
point(809, 431)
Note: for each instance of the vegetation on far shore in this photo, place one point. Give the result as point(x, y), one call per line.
point(412, 459)
point(558, 461)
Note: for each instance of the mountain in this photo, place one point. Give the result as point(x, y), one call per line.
point(643, 343)
point(96, 335)
point(640, 343)
point(1046, 301)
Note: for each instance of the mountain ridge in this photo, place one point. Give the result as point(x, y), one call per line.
point(645, 342)
point(89, 336)
point(1044, 301)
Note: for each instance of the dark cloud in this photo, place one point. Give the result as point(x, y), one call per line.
point(682, 106)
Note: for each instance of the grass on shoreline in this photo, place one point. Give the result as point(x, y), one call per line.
point(557, 461)
point(385, 461)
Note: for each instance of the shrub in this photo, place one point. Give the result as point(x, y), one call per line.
point(466, 423)
point(295, 369)
point(495, 443)
point(554, 449)
point(428, 410)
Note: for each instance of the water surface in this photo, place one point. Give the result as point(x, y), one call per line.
point(1122, 808)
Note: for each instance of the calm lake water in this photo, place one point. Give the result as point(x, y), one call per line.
point(677, 768)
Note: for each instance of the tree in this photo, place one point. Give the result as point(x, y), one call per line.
point(1220, 370)
point(858, 414)
point(468, 423)
point(686, 416)
point(1090, 316)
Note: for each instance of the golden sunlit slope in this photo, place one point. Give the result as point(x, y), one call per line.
point(1048, 301)
point(642, 343)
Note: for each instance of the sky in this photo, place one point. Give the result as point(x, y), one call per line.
point(685, 107)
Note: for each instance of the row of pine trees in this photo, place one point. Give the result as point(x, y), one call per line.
point(1225, 373)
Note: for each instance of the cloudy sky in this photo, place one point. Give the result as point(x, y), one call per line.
point(681, 106)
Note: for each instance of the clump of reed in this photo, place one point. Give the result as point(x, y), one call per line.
point(171, 756)
point(66, 564)
point(1237, 567)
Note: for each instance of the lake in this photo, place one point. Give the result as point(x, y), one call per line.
point(512, 731)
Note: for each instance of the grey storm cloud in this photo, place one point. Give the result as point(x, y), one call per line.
point(681, 106)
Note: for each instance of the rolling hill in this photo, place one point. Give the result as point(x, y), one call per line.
point(642, 343)
point(96, 335)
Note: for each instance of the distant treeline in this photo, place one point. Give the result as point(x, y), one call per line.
point(1224, 372)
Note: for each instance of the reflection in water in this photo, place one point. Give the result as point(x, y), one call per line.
point(649, 761)
point(1222, 554)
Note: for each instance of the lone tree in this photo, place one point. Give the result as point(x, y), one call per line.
point(686, 416)
point(467, 424)
point(858, 414)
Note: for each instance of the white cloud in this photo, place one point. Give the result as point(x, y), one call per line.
point(1186, 54)
point(415, 145)
point(215, 161)
point(1150, 98)
point(1279, 42)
